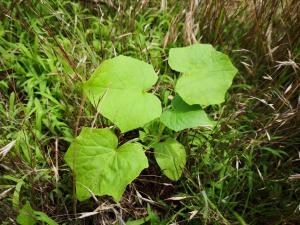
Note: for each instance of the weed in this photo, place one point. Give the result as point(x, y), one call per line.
point(238, 174)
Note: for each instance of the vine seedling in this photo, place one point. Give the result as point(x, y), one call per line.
point(119, 90)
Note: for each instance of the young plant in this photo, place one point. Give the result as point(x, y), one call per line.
point(119, 90)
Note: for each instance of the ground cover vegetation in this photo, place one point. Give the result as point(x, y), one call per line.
point(205, 150)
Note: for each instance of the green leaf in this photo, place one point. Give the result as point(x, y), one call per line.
point(118, 89)
point(26, 215)
point(101, 167)
point(16, 195)
point(171, 157)
point(44, 218)
point(138, 222)
point(207, 74)
point(182, 116)
point(152, 218)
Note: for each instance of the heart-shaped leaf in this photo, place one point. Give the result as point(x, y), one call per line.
point(182, 116)
point(101, 167)
point(118, 89)
point(170, 155)
point(207, 74)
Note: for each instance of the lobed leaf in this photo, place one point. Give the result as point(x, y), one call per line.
point(100, 166)
point(207, 74)
point(118, 89)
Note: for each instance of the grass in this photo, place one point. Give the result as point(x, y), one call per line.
point(245, 174)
